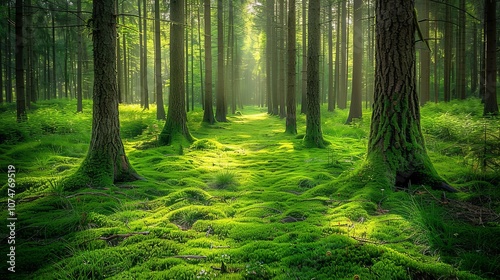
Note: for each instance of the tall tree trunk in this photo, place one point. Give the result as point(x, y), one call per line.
point(106, 161)
point(424, 54)
point(141, 55)
point(221, 110)
point(160, 109)
point(230, 59)
point(1, 72)
point(314, 135)
point(342, 93)
point(461, 81)
point(30, 72)
point(396, 145)
point(119, 62)
point(355, 110)
point(186, 11)
point(448, 29)
point(54, 76)
point(125, 61)
point(282, 53)
point(274, 63)
point(291, 122)
point(79, 59)
point(20, 94)
point(208, 114)
point(176, 124)
point(331, 93)
point(303, 102)
point(490, 97)
point(436, 71)
point(145, 90)
point(269, 57)
point(200, 50)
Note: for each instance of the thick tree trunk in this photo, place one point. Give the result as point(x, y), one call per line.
point(79, 59)
point(221, 109)
point(396, 143)
point(314, 135)
point(106, 161)
point(490, 97)
point(355, 110)
point(291, 122)
point(208, 114)
point(176, 124)
point(424, 54)
point(160, 109)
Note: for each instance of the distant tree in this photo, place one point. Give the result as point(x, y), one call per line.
point(355, 110)
point(106, 161)
point(314, 135)
point(448, 39)
point(176, 123)
point(221, 110)
point(144, 69)
point(342, 81)
point(208, 114)
point(461, 82)
point(396, 144)
point(20, 94)
point(331, 92)
point(490, 98)
point(160, 110)
point(291, 110)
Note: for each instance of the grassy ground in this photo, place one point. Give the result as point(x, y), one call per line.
point(246, 201)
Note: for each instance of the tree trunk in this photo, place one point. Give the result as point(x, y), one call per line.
point(145, 90)
point(342, 93)
point(303, 102)
point(282, 54)
point(20, 95)
point(291, 122)
point(314, 135)
point(490, 97)
point(447, 55)
point(331, 93)
point(424, 54)
point(208, 114)
point(1, 72)
point(396, 145)
point(221, 110)
point(461, 81)
point(176, 124)
point(79, 63)
point(355, 110)
point(106, 161)
point(160, 109)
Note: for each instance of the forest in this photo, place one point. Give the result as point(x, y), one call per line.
point(249, 139)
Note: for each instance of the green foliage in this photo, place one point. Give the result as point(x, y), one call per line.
point(225, 179)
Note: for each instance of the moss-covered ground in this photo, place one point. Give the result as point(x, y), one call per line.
point(247, 201)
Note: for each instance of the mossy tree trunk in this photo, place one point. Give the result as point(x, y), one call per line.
point(314, 135)
point(106, 161)
point(291, 110)
point(355, 110)
point(208, 114)
point(176, 116)
point(396, 140)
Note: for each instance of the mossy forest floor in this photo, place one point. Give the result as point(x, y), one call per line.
point(247, 201)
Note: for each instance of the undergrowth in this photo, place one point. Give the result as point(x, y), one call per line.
point(247, 201)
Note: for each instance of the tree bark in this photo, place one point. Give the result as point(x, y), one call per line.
point(342, 93)
point(106, 161)
point(291, 122)
point(490, 97)
point(176, 124)
point(79, 63)
point(303, 102)
point(448, 29)
point(208, 114)
point(160, 109)
point(396, 144)
point(424, 54)
point(314, 135)
point(145, 90)
point(221, 110)
point(355, 110)
point(331, 93)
